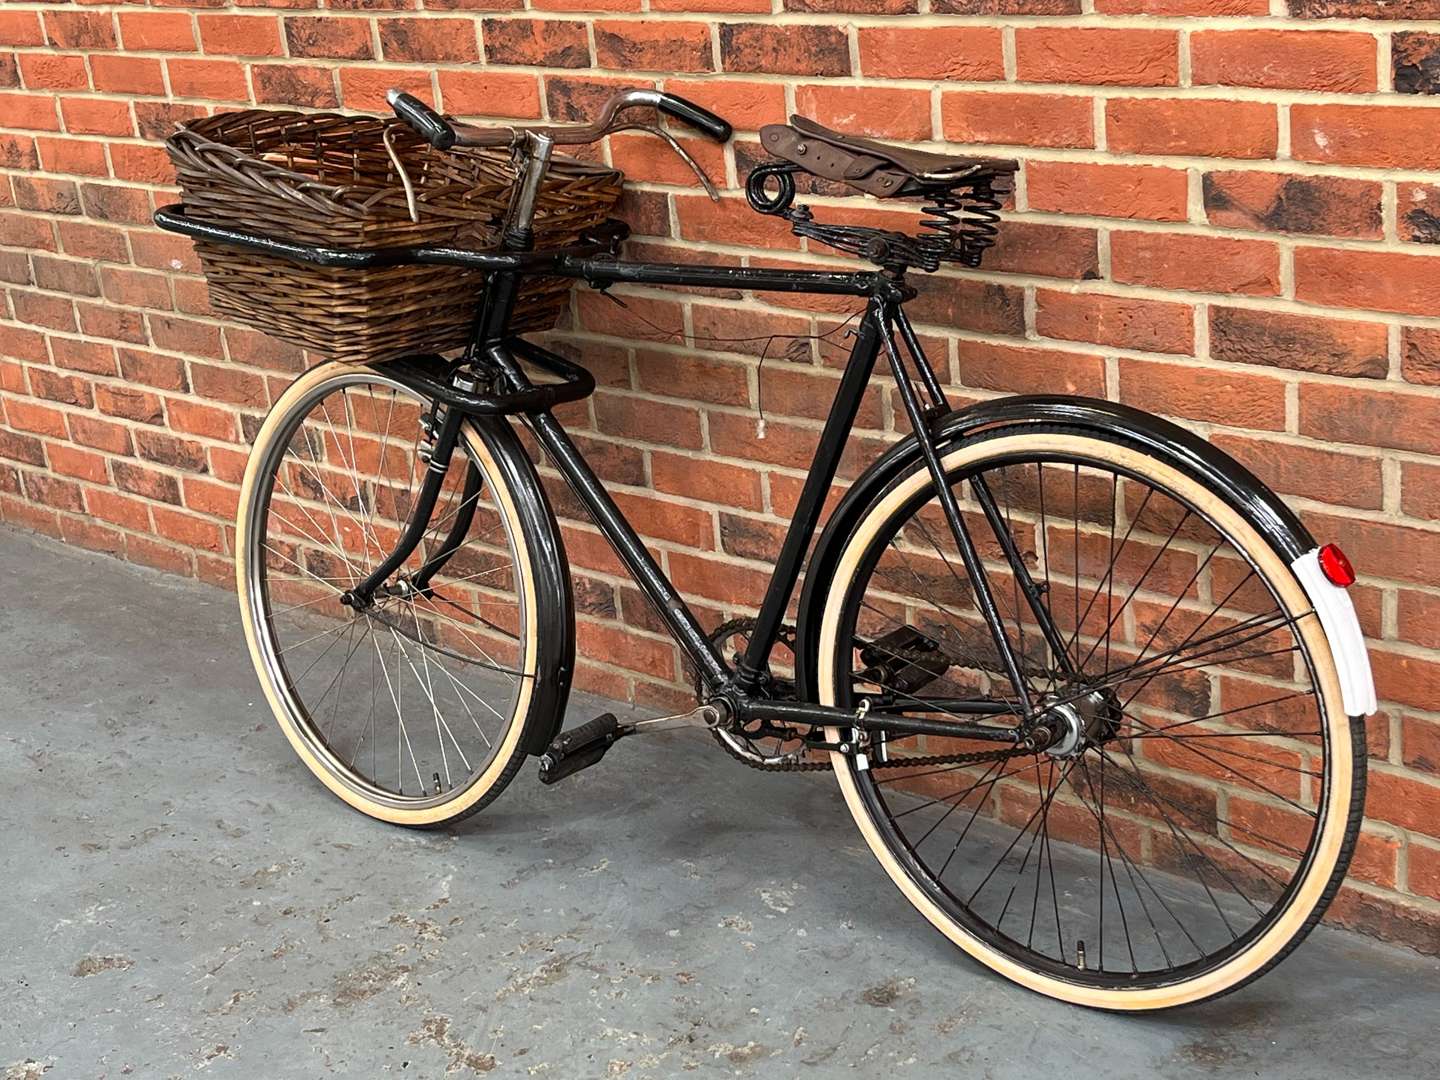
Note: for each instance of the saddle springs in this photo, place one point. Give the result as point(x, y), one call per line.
point(959, 220)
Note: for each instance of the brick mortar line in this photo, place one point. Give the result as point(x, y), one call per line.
point(1059, 346)
point(1298, 441)
point(1280, 374)
point(89, 485)
point(818, 254)
point(1037, 152)
point(689, 501)
point(670, 546)
point(1406, 772)
point(1359, 450)
point(207, 443)
point(1169, 360)
point(1408, 648)
point(1096, 20)
point(1373, 517)
point(1269, 95)
point(639, 631)
point(1430, 715)
point(1096, 286)
point(124, 531)
point(1047, 155)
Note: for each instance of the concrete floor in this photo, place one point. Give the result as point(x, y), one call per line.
point(181, 898)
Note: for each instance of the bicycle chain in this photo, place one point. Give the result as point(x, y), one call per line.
point(973, 758)
point(787, 638)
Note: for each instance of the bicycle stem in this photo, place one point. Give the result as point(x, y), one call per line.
point(534, 159)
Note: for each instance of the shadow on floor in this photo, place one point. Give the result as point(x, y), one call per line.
point(181, 896)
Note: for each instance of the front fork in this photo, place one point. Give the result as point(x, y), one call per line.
point(518, 235)
point(921, 418)
point(446, 432)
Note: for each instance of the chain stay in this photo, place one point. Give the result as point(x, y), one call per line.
point(787, 638)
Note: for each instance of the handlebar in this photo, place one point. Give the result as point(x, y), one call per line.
point(443, 133)
point(428, 124)
point(686, 111)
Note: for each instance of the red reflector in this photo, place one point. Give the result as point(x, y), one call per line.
point(1336, 566)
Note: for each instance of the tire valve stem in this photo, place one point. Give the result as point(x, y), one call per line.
point(1080, 955)
point(439, 788)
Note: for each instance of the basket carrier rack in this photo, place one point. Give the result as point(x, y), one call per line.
point(575, 382)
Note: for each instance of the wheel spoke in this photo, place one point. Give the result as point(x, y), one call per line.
point(332, 492)
point(1123, 832)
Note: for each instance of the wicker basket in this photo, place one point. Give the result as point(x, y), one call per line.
point(329, 180)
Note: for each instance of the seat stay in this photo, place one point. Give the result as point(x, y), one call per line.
point(984, 593)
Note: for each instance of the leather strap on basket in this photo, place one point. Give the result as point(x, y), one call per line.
point(404, 176)
point(872, 175)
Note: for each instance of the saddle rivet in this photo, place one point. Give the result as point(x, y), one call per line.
point(800, 148)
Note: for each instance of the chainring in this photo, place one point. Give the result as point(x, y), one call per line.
point(762, 746)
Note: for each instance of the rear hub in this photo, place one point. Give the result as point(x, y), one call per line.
point(1077, 721)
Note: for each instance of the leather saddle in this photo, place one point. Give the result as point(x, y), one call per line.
point(876, 168)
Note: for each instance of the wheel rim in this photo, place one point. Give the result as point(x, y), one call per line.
point(911, 825)
point(409, 704)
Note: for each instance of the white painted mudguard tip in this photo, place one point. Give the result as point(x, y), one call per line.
point(1342, 629)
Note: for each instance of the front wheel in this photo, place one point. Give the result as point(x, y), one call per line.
point(1196, 799)
point(417, 709)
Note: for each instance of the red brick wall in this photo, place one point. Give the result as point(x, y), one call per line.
point(1224, 217)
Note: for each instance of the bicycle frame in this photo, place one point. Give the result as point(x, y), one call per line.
point(884, 315)
point(884, 327)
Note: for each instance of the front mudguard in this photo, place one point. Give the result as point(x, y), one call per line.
point(1168, 442)
point(554, 599)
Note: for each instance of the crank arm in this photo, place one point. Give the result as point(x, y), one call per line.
point(706, 716)
point(579, 748)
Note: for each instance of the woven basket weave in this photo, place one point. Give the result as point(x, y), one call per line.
point(329, 180)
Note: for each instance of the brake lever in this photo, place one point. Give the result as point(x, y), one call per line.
point(684, 154)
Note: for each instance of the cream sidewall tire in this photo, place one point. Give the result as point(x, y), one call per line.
point(481, 786)
point(1292, 921)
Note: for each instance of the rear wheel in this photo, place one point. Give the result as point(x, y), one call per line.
point(415, 709)
point(1196, 801)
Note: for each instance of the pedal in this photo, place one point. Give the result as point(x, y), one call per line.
point(904, 660)
point(580, 747)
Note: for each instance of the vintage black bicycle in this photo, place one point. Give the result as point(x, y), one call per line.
point(1092, 693)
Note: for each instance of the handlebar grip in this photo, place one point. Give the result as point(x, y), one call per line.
point(427, 123)
point(701, 119)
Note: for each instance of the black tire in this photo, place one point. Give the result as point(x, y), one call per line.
point(1330, 762)
point(492, 646)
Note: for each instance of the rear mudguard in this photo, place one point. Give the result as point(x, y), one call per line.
point(1166, 441)
point(554, 601)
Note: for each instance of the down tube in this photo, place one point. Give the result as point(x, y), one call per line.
point(622, 537)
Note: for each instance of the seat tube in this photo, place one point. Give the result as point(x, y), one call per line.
point(846, 407)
